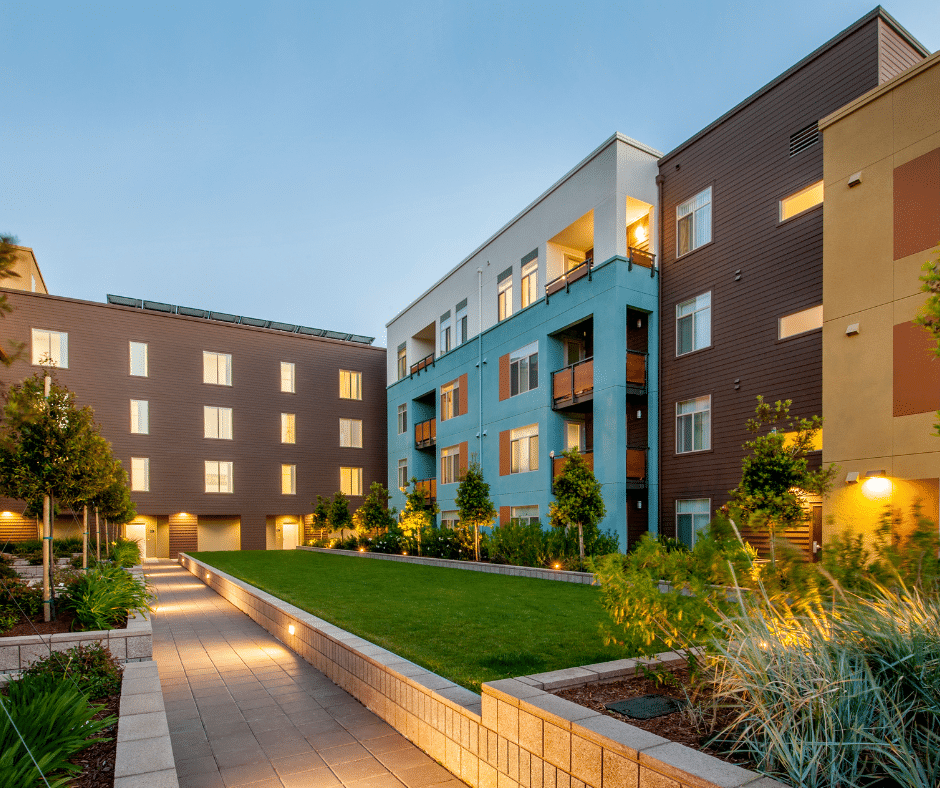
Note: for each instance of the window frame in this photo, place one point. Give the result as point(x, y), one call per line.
point(206, 354)
point(354, 432)
point(288, 383)
point(450, 400)
point(693, 314)
point(288, 428)
point(528, 519)
point(402, 361)
point(692, 414)
point(146, 359)
point(291, 487)
point(229, 467)
point(450, 518)
point(515, 360)
point(692, 212)
point(135, 479)
point(781, 219)
point(446, 336)
point(529, 292)
point(504, 299)
point(780, 335)
point(531, 449)
point(352, 375)
point(136, 423)
point(220, 422)
point(693, 515)
point(354, 475)
point(450, 464)
point(460, 327)
point(63, 348)
point(403, 418)
point(403, 477)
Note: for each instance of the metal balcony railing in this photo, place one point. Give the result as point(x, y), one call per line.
point(429, 488)
point(637, 372)
point(564, 281)
point(427, 361)
point(426, 434)
point(643, 259)
point(573, 384)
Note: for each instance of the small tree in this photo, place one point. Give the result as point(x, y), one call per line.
point(474, 506)
point(929, 317)
point(578, 500)
point(419, 513)
point(340, 519)
point(374, 514)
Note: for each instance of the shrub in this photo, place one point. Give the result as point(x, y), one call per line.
point(349, 543)
point(125, 552)
point(18, 600)
point(102, 597)
point(453, 543)
point(394, 541)
point(520, 544)
point(91, 668)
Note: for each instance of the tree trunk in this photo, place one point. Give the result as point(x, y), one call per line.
point(97, 536)
point(476, 542)
point(85, 538)
point(581, 543)
point(46, 558)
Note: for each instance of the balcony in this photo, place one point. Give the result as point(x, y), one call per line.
point(642, 259)
point(637, 463)
point(427, 361)
point(426, 434)
point(573, 384)
point(429, 488)
point(564, 281)
point(637, 375)
point(558, 463)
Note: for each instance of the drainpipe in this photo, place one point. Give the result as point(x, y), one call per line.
point(480, 364)
point(659, 364)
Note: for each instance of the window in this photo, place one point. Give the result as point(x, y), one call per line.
point(694, 222)
point(800, 322)
point(693, 425)
point(51, 347)
point(217, 368)
point(450, 465)
point(450, 519)
point(288, 428)
point(350, 433)
point(218, 422)
point(530, 283)
point(450, 400)
point(140, 474)
point(288, 377)
point(461, 320)
point(140, 417)
point(526, 515)
point(139, 359)
point(802, 201)
point(288, 480)
point(445, 332)
point(691, 517)
point(402, 362)
point(403, 419)
point(524, 444)
point(218, 477)
point(350, 481)
point(402, 474)
point(504, 294)
point(694, 324)
point(574, 435)
point(524, 369)
point(350, 384)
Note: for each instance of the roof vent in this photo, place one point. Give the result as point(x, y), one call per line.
point(804, 138)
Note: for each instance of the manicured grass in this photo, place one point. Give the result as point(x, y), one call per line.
point(469, 627)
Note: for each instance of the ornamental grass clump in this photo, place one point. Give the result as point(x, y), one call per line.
point(104, 596)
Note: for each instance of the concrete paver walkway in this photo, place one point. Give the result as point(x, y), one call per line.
point(244, 710)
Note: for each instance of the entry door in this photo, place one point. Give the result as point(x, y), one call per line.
point(816, 546)
point(574, 351)
point(278, 536)
point(151, 540)
point(137, 531)
point(289, 535)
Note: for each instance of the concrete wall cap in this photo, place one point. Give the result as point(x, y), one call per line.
point(693, 768)
point(557, 710)
point(626, 739)
point(511, 690)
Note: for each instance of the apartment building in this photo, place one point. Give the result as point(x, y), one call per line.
point(880, 379)
point(537, 342)
point(228, 426)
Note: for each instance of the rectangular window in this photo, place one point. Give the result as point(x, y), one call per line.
point(218, 422)
point(801, 201)
point(530, 283)
point(574, 435)
point(288, 480)
point(217, 368)
point(461, 322)
point(800, 322)
point(445, 332)
point(51, 348)
point(350, 433)
point(350, 384)
point(450, 465)
point(402, 474)
point(526, 515)
point(691, 517)
point(504, 295)
point(450, 400)
point(139, 359)
point(450, 519)
point(524, 444)
point(350, 481)
point(694, 324)
point(402, 363)
point(288, 379)
point(140, 417)
point(288, 428)
point(694, 222)
point(693, 425)
point(140, 474)
point(524, 369)
point(403, 419)
point(219, 477)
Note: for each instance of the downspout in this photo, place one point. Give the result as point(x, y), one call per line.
point(659, 359)
point(480, 366)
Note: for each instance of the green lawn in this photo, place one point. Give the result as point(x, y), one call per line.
point(470, 627)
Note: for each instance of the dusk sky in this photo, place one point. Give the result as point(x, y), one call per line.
point(324, 164)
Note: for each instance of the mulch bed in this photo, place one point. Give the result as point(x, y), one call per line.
point(65, 622)
point(97, 761)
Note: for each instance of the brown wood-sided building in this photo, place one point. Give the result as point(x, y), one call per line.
point(282, 428)
point(742, 264)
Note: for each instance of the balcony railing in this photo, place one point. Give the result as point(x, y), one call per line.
point(426, 434)
point(573, 384)
point(564, 281)
point(429, 488)
point(558, 463)
point(637, 467)
point(427, 361)
point(643, 259)
point(637, 374)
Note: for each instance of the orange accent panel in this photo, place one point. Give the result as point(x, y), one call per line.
point(504, 389)
point(505, 515)
point(916, 371)
point(917, 205)
point(636, 369)
point(464, 394)
point(505, 454)
point(463, 460)
point(636, 464)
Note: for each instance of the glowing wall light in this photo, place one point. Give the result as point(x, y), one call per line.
point(290, 628)
point(877, 483)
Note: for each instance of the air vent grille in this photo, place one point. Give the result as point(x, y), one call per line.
point(804, 138)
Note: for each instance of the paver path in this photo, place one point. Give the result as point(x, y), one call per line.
point(244, 709)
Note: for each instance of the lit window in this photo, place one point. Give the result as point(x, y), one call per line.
point(402, 362)
point(691, 518)
point(802, 201)
point(139, 359)
point(445, 332)
point(140, 417)
point(525, 515)
point(694, 324)
point(402, 474)
point(288, 480)
point(140, 474)
point(450, 519)
point(450, 400)
point(288, 379)
point(218, 477)
point(461, 320)
point(694, 222)
point(574, 435)
point(288, 428)
point(350, 433)
point(217, 368)
point(524, 444)
point(218, 422)
point(402, 419)
point(51, 348)
point(504, 295)
point(530, 282)
point(450, 465)
point(350, 384)
point(350, 481)
point(693, 425)
point(524, 369)
point(800, 322)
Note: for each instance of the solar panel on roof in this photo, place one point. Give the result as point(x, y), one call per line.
point(158, 307)
point(360, 338)
point(283, 326)
point(313, 332)
point(336, 335)
point(124, 301)
point(190, 312)
point(223, 316)
point(254, 321)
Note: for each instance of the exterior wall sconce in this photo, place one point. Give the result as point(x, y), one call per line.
point(851, 329)
point(851, 477)
point(877, 482)
point(855, 179)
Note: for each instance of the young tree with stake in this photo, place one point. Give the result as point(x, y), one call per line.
point(473, 503)
point(578, 500)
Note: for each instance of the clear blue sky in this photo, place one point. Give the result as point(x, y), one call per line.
point(323, 163)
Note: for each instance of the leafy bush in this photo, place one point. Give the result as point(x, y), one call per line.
point(102, 597)
point(125, 552)
point(394, 541)
point(520, 544)
point(453, 543)
point(350, 543)
point(92, 668)
point(18, 599)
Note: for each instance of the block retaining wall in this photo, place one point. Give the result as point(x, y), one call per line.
point(515, 734)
